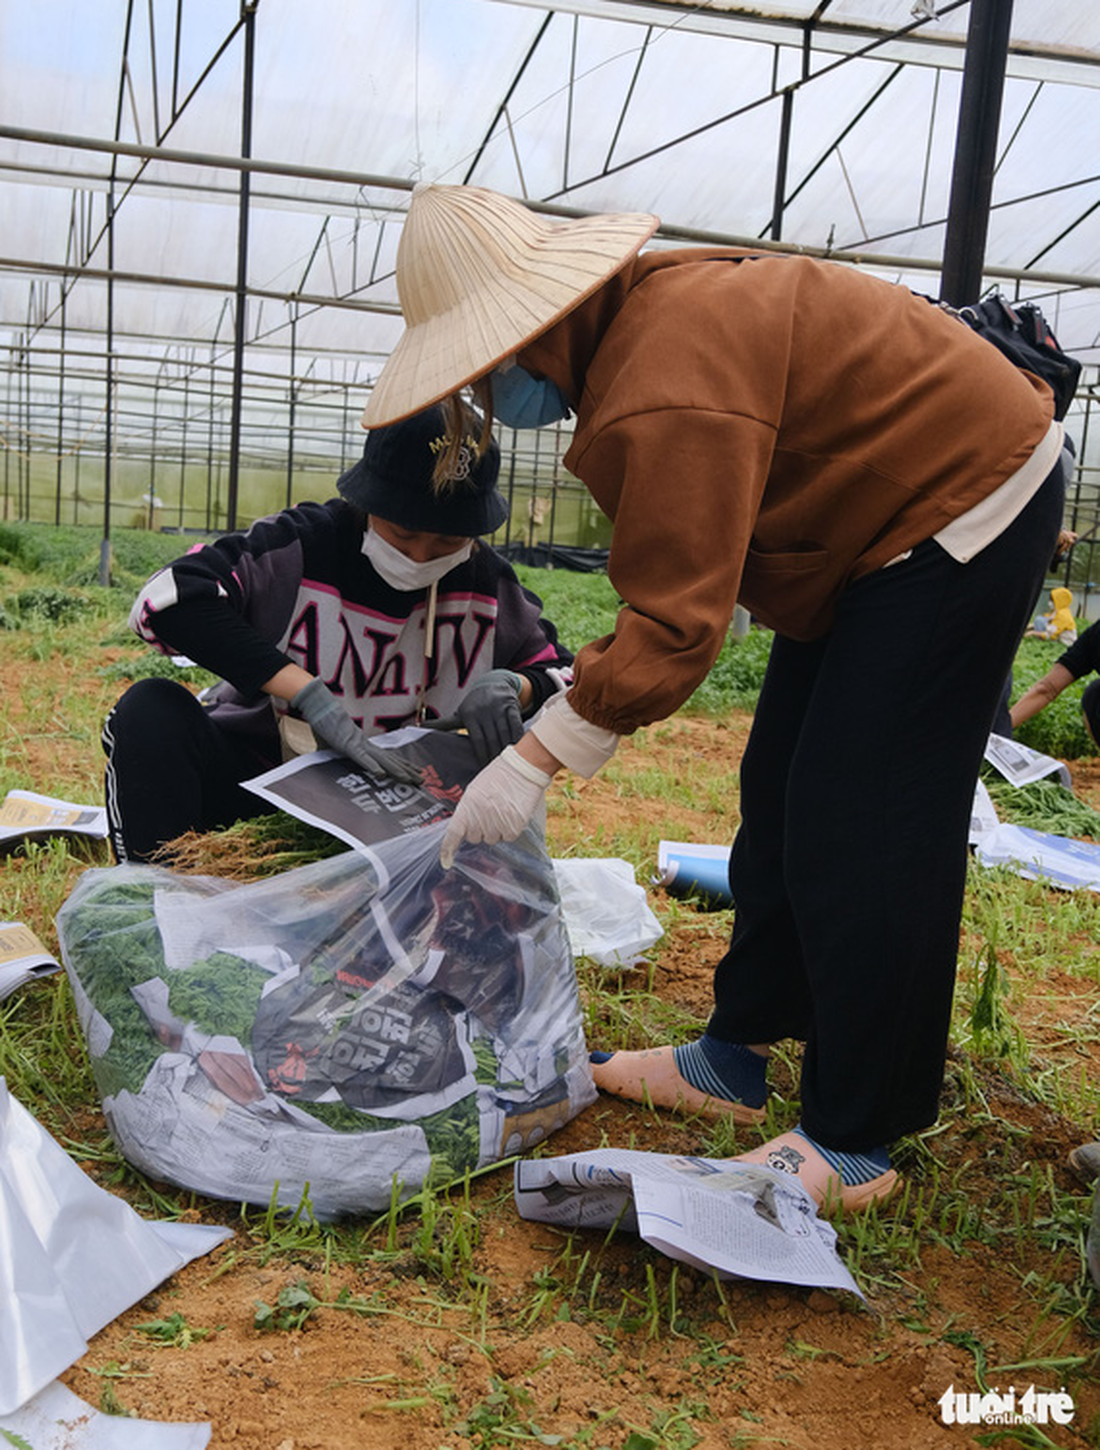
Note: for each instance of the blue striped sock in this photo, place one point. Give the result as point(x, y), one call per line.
point(854, 1168)
point(726, 1070)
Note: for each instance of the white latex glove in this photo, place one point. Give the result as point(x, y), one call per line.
point(496, 805)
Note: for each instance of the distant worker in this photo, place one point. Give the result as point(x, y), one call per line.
point(1082, 658)
point(1059, 624)
point(378, 609)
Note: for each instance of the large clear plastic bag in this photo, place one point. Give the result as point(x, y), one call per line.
point(365, 1020)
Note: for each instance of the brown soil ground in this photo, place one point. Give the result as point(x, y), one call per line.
point(440, 1363)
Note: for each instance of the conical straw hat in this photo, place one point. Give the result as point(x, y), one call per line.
point(479, 275)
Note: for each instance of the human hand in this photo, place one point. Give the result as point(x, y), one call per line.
point(334, 727)
point(496, 805)
point(489, 712)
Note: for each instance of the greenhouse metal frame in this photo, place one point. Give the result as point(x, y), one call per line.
point(195, 298)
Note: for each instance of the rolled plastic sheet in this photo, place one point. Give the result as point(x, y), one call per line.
point(72, 1256)
point(691, 870)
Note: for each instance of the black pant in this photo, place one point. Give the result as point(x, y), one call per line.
point(171, 769)
point(849, 868)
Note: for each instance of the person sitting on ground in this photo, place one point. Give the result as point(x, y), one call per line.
point(1059, 624)
point(1082, 657)
point(378, 609)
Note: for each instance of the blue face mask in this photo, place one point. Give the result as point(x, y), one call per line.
point(521, 401)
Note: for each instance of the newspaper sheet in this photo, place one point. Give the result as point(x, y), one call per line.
point(23, 958)
point(735, 1219)
point(1021, 765)
point(983, 814)
point(25, 814)
point(328, 791)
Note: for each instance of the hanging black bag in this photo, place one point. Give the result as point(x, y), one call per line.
point(1023, 334)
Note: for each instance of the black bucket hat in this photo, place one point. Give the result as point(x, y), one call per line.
point(393, 479)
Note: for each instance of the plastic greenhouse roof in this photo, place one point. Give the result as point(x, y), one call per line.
point(583, 104)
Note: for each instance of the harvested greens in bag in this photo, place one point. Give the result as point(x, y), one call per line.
point(363, 1019)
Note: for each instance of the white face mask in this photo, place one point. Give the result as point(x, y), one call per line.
point(401, 572)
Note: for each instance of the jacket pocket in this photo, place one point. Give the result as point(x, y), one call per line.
point(792, 590)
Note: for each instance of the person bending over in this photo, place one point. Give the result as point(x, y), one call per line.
point(876, 484)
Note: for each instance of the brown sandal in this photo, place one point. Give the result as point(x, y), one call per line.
point(651, 1076)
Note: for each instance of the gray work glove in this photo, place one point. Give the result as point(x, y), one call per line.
point(334, 727)
point(489, 713)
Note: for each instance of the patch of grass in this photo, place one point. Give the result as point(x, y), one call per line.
point(155, 666)
point(1019, 939)
point(172, 1332)
point(48, 602)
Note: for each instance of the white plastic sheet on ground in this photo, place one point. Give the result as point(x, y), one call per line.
point(1037, 855)
point(607, 914)
point(72, 1257)
point(56, 1419)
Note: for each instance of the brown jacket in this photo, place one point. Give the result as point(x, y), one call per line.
point(765, 430)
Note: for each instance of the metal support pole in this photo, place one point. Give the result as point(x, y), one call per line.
point(183, 446)
point(511, 494)
point(293, 401)
point(346, 428)
point(109, 425)
point(210, 443)
point(782, 161)
point(248, 15)
point(150, 512)
point(8, 416)
point(60, 413)
point(76, 461)
point(24, 432)
point(109, 431)
point(975, 150)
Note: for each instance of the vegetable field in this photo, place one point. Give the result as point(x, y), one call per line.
point(453, 1325)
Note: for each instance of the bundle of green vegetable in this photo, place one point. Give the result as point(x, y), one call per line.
point(1044, 805)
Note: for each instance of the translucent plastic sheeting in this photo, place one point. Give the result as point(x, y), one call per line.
point(366, 1019)
point(72, 1256)
point(607, 915)
point(56, 1419)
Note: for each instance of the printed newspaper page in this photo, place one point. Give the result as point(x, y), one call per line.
point(330, 792)
point(737, 1219)
point(1021, 765)
point(23, 958)
point(25, 814)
